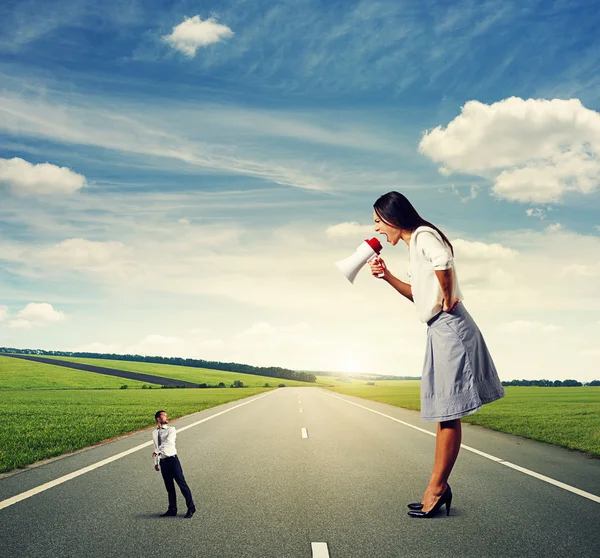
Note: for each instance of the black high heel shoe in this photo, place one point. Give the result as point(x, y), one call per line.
point(445, 498)
point(415, 506)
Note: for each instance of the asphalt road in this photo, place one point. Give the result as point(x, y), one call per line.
point(263, 490)
point(140, 377)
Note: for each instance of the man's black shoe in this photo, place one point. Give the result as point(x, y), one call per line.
point(169, 513)
point(190, 512)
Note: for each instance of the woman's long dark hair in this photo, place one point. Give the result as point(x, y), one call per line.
point(394, 209)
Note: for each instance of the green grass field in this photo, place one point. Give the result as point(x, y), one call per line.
point(58, 410)
point(24, 374)
point(46, 423)
point(188, 373)
point(564, 416)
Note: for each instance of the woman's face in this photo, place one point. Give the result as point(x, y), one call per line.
point(381, 227)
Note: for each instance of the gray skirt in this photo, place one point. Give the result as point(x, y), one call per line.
point(459, 375)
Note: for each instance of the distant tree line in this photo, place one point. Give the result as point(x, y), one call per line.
point(550, 383)
point(271, 371)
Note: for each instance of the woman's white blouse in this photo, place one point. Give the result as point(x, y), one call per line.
point(427, 253)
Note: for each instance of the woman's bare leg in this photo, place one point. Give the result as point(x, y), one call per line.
point(447, 446)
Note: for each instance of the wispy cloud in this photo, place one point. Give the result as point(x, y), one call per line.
point(348, 229)
point(524, 326)
point(184, 136)
point(474, 191)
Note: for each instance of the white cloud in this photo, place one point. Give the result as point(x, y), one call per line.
point(349, 229)
point(535, 150)
point(474, 193)
point(536, 212)
point(36, 314)
point(26, 179)
point(97, 347)
point(21, 324)
point(40, 312)
point(186, 285)
point(194, 32)
point(524, 326)
point(581, 270)
point(481, 251)
point(3, 313)
point(79, 253)
point(554, 228)
point(156, 344)
point(266, 330)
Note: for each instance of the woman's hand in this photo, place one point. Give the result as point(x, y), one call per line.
point(450, 306)
point(378, 268)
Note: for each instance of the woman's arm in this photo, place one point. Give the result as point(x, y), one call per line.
point(446, 279)
point(378, 268)
point(403, 288)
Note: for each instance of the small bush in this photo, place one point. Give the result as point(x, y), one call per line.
point(124, 386)
point(203, 385)
point(222, 385)
point(281, 385)
point(237, 384)
point(267, 385)
point(370, 383)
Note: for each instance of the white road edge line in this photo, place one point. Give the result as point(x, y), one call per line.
point(529, 472)
point(42, 487)
point(319, 550)
point(304, 433)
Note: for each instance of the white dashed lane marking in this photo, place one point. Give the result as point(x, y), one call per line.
point(319, 550)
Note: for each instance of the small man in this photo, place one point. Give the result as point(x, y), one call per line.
point(167, 462)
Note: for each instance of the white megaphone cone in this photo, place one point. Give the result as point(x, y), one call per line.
point(368, 250)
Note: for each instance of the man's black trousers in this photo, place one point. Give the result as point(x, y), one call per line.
point(170, 467)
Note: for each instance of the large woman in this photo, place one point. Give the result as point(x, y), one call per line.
point(459, 375)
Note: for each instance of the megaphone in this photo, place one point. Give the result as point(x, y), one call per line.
point(367, 251)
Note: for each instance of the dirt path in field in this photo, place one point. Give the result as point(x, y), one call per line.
point(147, 378)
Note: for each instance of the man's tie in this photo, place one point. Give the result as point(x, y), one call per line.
point(159, 440)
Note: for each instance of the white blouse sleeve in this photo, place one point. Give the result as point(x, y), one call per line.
point(434, 250)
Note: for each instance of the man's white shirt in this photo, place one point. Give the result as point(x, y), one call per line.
point(168, 435)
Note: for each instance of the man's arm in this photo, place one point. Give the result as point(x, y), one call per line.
point(155, 442)
point(155, 452)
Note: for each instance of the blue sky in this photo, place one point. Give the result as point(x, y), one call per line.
point(177, 178)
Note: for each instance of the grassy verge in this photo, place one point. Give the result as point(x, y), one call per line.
point(564, 416)
point(25, 374)
point(47, 423)
point(187, 373)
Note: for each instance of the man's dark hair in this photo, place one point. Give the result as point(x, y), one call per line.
point(158, 414)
